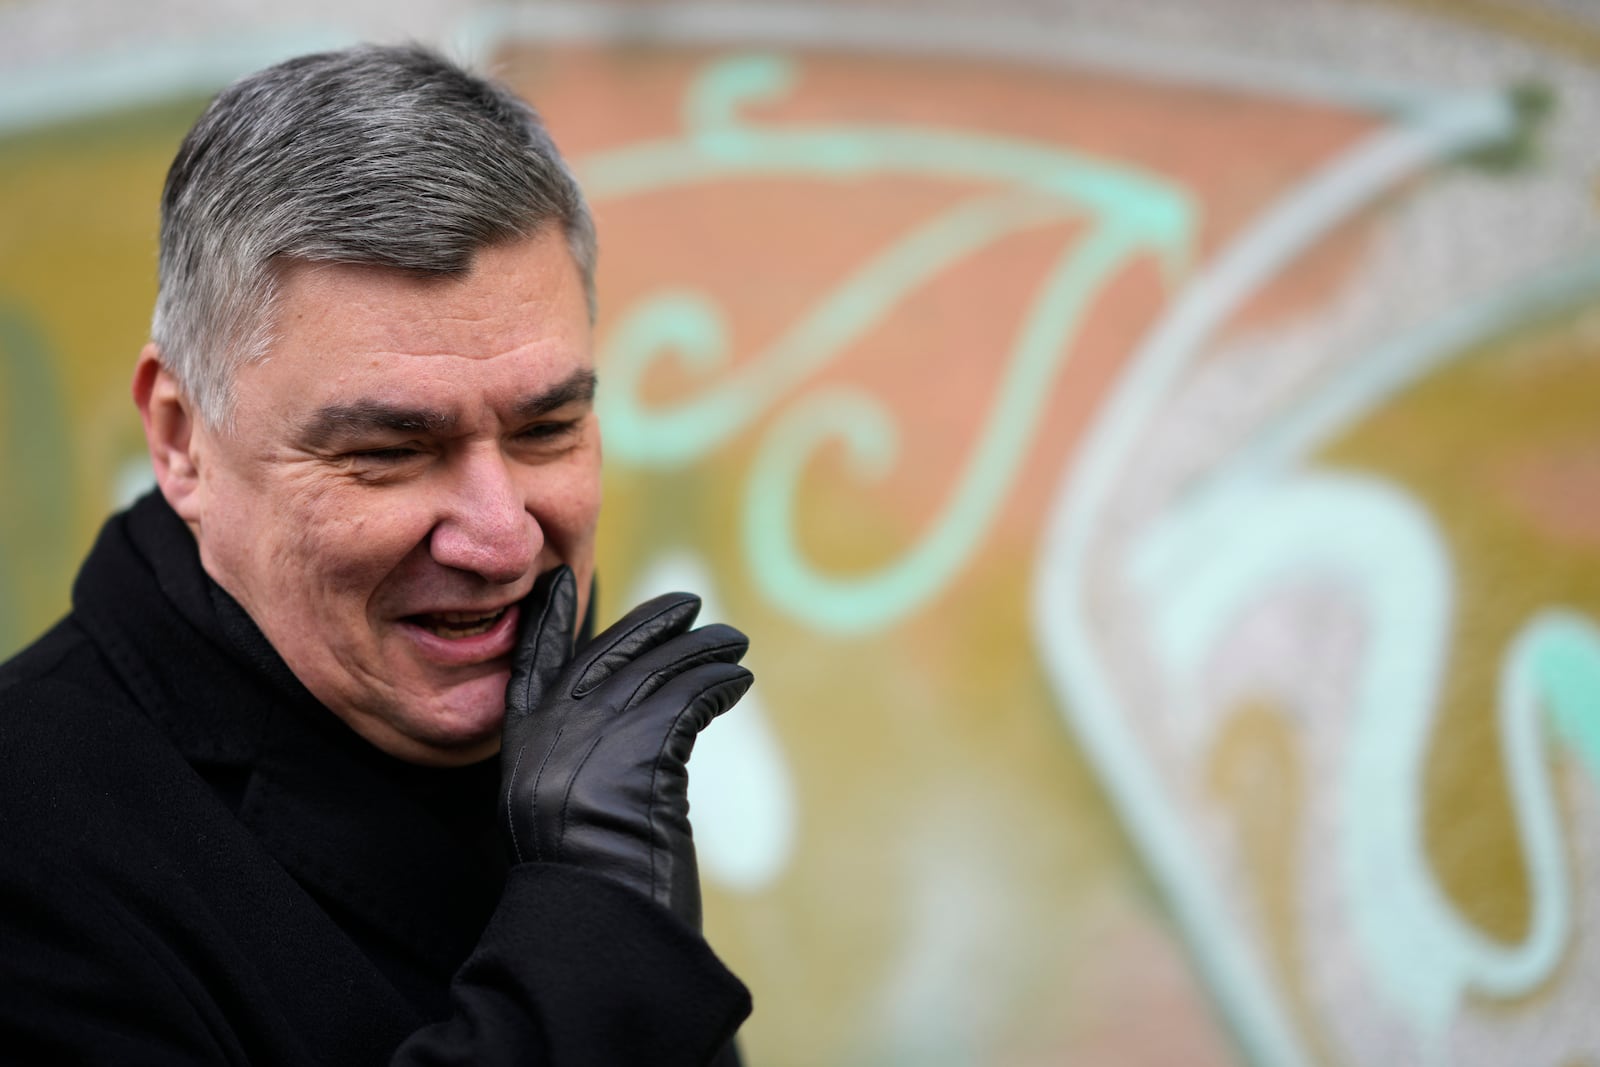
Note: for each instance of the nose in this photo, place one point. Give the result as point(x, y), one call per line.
point(487, 529)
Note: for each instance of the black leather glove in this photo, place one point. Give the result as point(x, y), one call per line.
point(592, 761)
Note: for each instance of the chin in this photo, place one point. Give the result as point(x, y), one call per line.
point(467, 715)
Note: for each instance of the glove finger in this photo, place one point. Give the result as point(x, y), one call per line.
point(625, 640)
point(720, 686)
point(675, 879)
point(639, 761)
point(556, 753)
point(666, 723)
point(544, 643)
point(625, 808)
point(716, 643)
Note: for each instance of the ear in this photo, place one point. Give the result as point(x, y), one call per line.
point(170, 432)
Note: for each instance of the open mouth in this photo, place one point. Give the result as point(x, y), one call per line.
point(454, 625)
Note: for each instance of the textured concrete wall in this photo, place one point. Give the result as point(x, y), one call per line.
point(1155, 449)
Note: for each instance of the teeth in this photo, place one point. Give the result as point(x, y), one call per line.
point(460, 623)
point(458, 617)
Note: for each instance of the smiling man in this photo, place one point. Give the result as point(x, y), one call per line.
point(314, 772)
point(415, 450)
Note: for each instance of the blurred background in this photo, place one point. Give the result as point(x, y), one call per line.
point(1154, 447)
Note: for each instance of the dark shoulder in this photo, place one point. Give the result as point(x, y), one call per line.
point(68, 727)
point(61, 682)
point(48, 655)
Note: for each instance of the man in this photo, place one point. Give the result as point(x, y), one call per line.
point(251, 808)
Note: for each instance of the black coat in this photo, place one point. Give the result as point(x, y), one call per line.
point(200, 864)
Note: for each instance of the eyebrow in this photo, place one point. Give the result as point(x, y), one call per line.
point(336, 422)
point(577, 387)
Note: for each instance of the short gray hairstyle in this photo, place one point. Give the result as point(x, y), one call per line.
point(379, 156)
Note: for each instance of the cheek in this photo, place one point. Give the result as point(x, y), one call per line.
point(569, 522)
point(324, 541)
point(567, 505)
point(357, 542)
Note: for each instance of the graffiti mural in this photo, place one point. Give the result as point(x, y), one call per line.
point(1157, 461)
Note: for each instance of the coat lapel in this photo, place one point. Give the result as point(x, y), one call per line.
point(406, 853)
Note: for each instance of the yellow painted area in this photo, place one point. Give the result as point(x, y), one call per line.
point(78, 259)
point(931, 776)
point(1471, 442)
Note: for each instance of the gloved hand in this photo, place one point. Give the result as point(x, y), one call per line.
point(592, 760)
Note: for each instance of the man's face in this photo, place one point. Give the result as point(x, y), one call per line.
point(410, 456)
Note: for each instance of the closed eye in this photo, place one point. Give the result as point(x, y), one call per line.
point(549, 431)
point(385, 455)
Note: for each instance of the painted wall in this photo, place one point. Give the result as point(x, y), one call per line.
point(1155, 452)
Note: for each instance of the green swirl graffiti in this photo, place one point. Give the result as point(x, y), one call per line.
point(691, 325)
point(1564, 660)
point(867, 602)
point(1128, 214)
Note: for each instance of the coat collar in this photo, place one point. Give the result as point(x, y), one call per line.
point(410, 850)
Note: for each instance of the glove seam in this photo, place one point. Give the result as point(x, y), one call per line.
point(537, 779)
point(566, 799)
point(511, 789)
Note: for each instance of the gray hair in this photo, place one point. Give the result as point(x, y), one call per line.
point(381, 156)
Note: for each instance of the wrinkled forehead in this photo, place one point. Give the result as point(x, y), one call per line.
point(511, 295)
point(514, 327)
